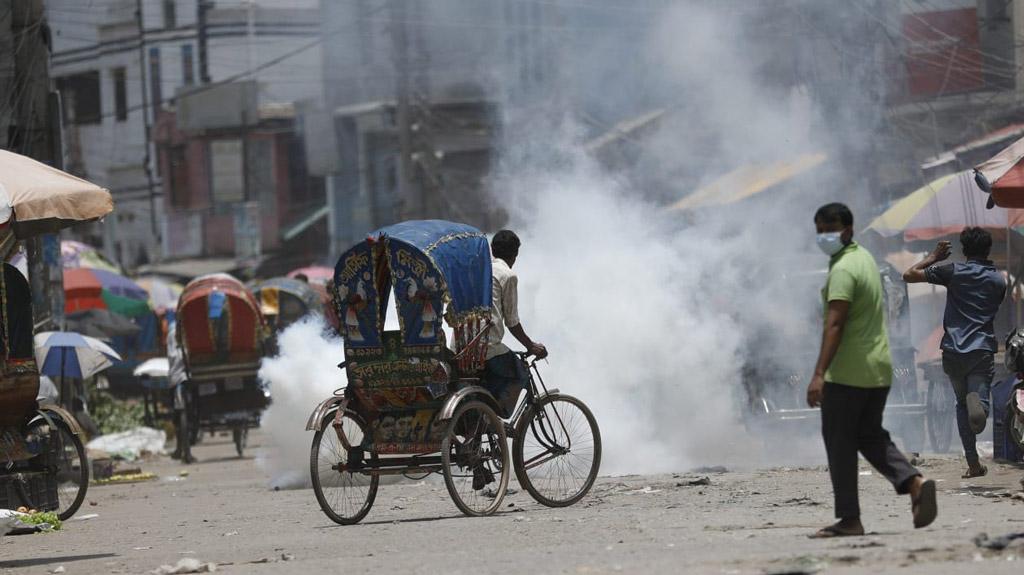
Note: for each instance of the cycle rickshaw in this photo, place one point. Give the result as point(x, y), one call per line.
point(285, 301)
point(413, 407)
point(223, 337)
point(43, 464)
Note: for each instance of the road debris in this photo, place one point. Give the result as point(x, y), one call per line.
point(695, 482)
point(997, 543)
point(186, 565)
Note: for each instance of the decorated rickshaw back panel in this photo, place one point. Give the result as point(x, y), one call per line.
point(399, 389)
point(219, 323)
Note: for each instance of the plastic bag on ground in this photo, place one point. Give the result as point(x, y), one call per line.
point(129, 445)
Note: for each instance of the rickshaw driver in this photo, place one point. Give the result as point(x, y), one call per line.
point(504, 373)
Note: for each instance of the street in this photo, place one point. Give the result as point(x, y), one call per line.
point(732, 522)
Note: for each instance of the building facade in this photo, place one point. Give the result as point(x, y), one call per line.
point(120, 64)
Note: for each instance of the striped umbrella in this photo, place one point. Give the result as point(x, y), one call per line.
point(163, 294)
point(1002, 176)
point(942, 208)
point(70, 354)
point(90, 288)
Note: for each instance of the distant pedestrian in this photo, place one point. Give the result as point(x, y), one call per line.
point(974, 291)
point(852, 378)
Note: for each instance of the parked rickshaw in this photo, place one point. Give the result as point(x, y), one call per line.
point(42, 460)
point(222, 335)
point(285, 301)
point(776, 386)
point(413, 406)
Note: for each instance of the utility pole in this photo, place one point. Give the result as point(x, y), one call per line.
point(411, 208)
point(202, 7)
point(147, 157)
point(31, 118)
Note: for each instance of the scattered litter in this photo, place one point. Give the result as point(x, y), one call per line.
point(805, 565)
point(130, 445)
point(865, 544)
point(797, 501)
point(119, 478)
point(183, 473)
point(997, 543)
point(58, 569)
point(287, 557)
point(864, 473)
point(646, 490)
point(231, 534)
point(186, 565)
point(142, 548)
point(85, 517)
point(695, 482)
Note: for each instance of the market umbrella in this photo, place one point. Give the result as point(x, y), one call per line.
point(89, 289)
point(163, 294)
point(316, 274)
point(67, 354)
point(942, 208)
point(1002, 176)
point(78, 255)
point(37, 198)
point(101, 323)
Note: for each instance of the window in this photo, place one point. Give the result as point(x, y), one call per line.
point(120, 95)
point(170, 14)
point(187, 70)
point(155, 82)
point(80, 94)
point(227, 184)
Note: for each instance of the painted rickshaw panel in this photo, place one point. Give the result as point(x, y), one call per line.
point(19, 375)
point(398, 380)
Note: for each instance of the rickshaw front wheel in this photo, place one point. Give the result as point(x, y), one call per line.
point(557, 450)
point(64, 462)
point(344, 495)
point(475, 458)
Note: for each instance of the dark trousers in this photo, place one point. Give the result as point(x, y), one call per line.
point(970, 372)
point(505, 376)
point(851, 421)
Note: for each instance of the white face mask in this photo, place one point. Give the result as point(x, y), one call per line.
point(830, 242)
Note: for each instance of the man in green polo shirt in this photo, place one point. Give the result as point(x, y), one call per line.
point(852, 378)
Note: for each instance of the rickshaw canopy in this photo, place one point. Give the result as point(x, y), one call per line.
point(219, 322)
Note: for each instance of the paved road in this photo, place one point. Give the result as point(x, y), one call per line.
point(742, 522)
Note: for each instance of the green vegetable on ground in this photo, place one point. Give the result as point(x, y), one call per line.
point(43, 517)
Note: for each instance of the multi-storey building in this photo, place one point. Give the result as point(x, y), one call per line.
point(121, 64)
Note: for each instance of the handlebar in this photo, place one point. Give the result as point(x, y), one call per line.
point(525, 356)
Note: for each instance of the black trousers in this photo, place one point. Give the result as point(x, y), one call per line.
point(851, 422)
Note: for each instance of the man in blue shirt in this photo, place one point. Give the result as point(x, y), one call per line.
point(974, 290)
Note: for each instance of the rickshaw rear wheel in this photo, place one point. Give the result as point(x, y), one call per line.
point(941, 415)
point(65, 462)
point(556, 451)
point(345, 496)
point(475, 459)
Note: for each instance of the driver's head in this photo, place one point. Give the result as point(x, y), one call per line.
point(835, 217)
point(976, 243)
point(505, 246)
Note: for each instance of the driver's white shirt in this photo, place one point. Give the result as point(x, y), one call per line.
point(504, 306)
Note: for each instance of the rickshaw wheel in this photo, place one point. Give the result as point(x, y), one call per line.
point(344, 496)
point(474, 452)
point(67, 461)
point(556, 452)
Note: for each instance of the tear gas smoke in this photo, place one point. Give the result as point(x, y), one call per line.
point(304, 373)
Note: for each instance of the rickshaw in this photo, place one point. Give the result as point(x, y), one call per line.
point(42, 460)
point(776, 386)
point(223, 336)
point(285, 301)
point(413, 407)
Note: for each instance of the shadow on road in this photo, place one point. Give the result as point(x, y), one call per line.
point(48, 560)
point(411, 520)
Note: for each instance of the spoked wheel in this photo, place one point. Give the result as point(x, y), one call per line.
point(344, 492)
point(240, 435)
point(474, 457)
point(64, 460)
point(941, 407)
point(557, 450)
